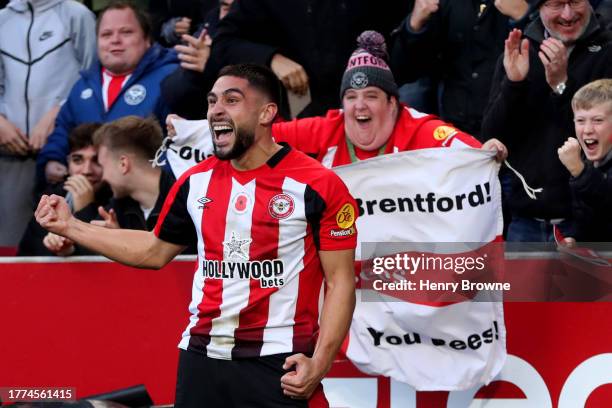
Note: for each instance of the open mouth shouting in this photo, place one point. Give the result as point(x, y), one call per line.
point(591, 146)
point(363, 120)
point(222, 133)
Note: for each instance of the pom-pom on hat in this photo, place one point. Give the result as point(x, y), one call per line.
point(367, 65)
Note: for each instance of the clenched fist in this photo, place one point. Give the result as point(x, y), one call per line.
point(53, 214)
point(569, 154)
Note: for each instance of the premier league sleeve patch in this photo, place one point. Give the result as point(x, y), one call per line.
point(345, 219)
point(337, 229)
point(444, 132)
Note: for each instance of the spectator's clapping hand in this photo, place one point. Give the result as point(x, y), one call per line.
point(81, 189)
point(515, 9)
point(422, 10)
point(12, 140)
point(109, 219)
point(182, 26)
point(516, 56)
point(43, 129)
point(498, 147)
point(59, 245)
point(170, 130)
point(195, 54)
point(291, 74)
point(553, 55)
point(55, 171)
point(569, 154)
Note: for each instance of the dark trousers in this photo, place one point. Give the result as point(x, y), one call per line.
point(204, 382)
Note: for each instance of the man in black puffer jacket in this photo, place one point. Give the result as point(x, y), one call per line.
point(530, 111)
point(459, 44)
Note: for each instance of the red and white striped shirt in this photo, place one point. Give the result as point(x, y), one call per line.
point(257, 283)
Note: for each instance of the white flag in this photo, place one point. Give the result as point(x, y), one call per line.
point(191, 145)
point(427, 196)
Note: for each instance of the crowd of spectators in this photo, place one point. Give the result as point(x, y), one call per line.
point(504, 69)
point(565, 48)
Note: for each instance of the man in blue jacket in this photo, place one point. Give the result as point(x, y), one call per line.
point(124, 81)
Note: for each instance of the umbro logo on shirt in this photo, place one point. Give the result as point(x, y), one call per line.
point(204, 201)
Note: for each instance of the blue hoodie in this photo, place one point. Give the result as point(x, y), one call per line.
point(140, 96)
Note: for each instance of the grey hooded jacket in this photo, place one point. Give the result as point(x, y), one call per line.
point(43, 45)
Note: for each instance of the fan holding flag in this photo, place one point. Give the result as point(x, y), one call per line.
point(373, 123)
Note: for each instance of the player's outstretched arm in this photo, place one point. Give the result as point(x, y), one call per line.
point(141, 249)
point(338, 307)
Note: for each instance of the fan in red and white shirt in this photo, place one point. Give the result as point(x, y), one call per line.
point(372, 121)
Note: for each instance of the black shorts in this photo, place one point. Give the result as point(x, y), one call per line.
point(205, 382)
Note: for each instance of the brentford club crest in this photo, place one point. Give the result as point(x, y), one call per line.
point(281, 206)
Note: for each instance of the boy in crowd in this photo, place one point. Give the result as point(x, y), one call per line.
point(84, 190)
point(591, 178)
point(126, 147)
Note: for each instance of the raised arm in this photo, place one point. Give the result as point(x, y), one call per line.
point(241, 35)
point(417, 41)
point(509, 88)
point(136, 248)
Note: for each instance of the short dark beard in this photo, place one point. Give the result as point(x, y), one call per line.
point(244, 140)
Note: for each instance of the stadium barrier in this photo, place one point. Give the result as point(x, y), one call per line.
point(98, 326)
